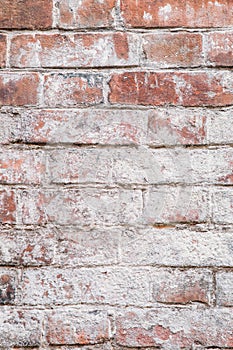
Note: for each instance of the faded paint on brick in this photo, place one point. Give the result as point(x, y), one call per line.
point(116, 156)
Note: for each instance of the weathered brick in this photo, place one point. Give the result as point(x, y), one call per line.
point(51, 286)
point(115, 172)
point(142, 88)
point(80, 207)
point(166, 204)
point(171, 246)
point(222, 206)
point(129, 165)
point(119, 347)
point(18, 89)
point(21, 348)
point(182, 286)
point(175, 166)
point(86, 14)
point(27, 247)
point(219, 48)
point(174, 126)
point(7, 206)
point(8, 285)
point(82, 247)
point(2, 50)
point(172, 50)
point(168, 126)
point(21, 166)
point(20, 327)
point(175, 13)
point(81, 326)
point(199, 347)
point(186, 89)
point(220, 161)
point(156, 166)
point(32, 15)
point(76, 166)
point(74, 50)
point(224, 288)
point(10, 128)
point(72, 89)
point(114, 286)
point(84, 126)
point(103, 346)
point(220, 131)
point(212, 327)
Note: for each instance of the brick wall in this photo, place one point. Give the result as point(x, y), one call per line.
point(116, 173)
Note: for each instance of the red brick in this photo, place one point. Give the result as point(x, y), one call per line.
point(77, 326)
point(86, 14)
point(31, 14)
point(83, 126)
point(142, 88)
point(7, 206)
point(27, 247)
point(182, 286)
point(20, 327)
point(103, 346)
point(116, 195)
point(71, 89)
point(26, 166)
point(175, 328)
point(74, 50)
point(173, 50)
point(187, 89)
point(18, 89)
point(176, 13)
point(2, 50)
point(173, 126)
point(219, 48)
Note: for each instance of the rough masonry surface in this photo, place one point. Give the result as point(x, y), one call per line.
point(116, 174)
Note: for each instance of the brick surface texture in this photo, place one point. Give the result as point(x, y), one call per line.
point(116, 174)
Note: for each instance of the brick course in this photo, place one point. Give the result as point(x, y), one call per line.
point(116, 198)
